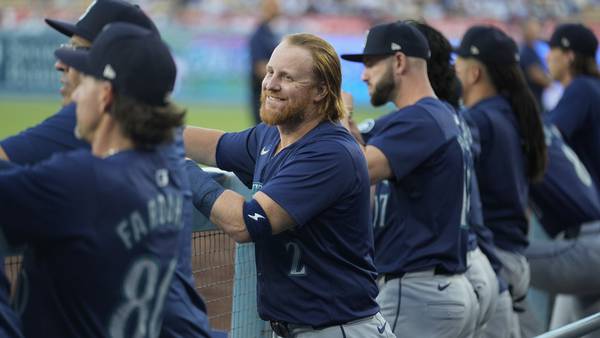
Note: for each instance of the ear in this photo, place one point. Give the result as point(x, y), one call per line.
point(106, 96)
point(475, 73)
point(321, 90)
point(571, 56)
point(400, 63)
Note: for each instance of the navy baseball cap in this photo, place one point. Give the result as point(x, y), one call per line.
point(101, 13)
point(489, 45)
point(576, 37)
point(135, 60)
point(389, 38)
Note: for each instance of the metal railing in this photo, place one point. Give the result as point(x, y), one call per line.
point(575, 329)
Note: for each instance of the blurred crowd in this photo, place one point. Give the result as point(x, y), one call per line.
point(18, 12)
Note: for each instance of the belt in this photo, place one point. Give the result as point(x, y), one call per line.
point(284, 329)
point(436, 271)
point(584, 228)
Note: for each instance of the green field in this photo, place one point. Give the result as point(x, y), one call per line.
point(17, 114)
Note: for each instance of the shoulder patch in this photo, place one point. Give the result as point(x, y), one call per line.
point(366, 126)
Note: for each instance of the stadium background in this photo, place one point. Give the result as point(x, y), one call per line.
point(209, 40)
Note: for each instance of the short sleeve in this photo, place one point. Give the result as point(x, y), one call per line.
point(236, 152)
point(313, 181)
point(408, 140)
point(571, 112)
point(53, 135)
point(41, 203)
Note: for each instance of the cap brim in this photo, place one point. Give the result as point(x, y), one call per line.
point(353, 57)
point(77, 59)
point(65, 28)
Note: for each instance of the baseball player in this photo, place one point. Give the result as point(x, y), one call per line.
point(413, 154)
point(309, 217)
point(512, 144)
point(566, 202)
point(185, 312)
point(480, 271)
point(103, 226)
point(572, 62)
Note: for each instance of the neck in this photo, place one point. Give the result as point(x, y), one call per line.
point(108, 138)
point(478, 93)
point(289, 134)
point(567, 79)
point(411, 91)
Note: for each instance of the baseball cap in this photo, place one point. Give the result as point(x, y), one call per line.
point(576, 37)
point(135, 60)
point(389, 38)
point(100, 13)
point(489, 45)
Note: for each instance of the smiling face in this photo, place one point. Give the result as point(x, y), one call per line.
point(288, 89)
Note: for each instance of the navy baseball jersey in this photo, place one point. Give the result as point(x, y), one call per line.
point(102, 239)
point(57, 134)
point(567, 196)
point(419, 213)
point(528, 57)
point(577, 116)
point(500, 169)
point(321, 272)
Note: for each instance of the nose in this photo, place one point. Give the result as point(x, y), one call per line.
point(364, 76)
point(271, 83)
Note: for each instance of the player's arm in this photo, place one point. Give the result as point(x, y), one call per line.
point(3, 155)
point(201, 144)
point(378, 164)
point(244, 221)
point(538, 76)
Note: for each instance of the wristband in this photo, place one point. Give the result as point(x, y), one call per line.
point(256, 220)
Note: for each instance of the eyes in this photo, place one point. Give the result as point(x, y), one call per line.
point(282, 75)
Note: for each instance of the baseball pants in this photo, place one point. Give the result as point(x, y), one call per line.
point(501, 323)
point(485, 283)
point(370, 327)
point(515, 270)
point(423, 304)
point(569, 267)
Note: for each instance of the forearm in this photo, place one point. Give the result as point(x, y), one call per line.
point(227, 214)
point(201, 144)
point(3, 155)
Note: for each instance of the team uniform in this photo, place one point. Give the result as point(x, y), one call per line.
point(577, 117)
point(261, 44)
point(101, 236)
point(484, 267)
point(566, 202)
point(317, 280)
point(503, 186)
point(420, 248)
point(185, 312)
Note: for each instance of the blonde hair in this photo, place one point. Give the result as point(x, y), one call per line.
point(327, 69)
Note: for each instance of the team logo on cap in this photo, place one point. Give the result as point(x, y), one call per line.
point(565, 42)
point(109, 72)
point(396, 46)
point(474, 50)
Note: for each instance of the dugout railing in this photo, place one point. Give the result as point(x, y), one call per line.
point(576, 329)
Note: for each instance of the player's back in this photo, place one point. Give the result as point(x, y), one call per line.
point(106, 266)
point(567, 195)
point(500, 167)
point(577, 116)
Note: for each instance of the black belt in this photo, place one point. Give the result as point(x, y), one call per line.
point(394, 275)
point(283, 329)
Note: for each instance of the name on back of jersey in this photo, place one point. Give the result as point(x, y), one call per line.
point(162, 210)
